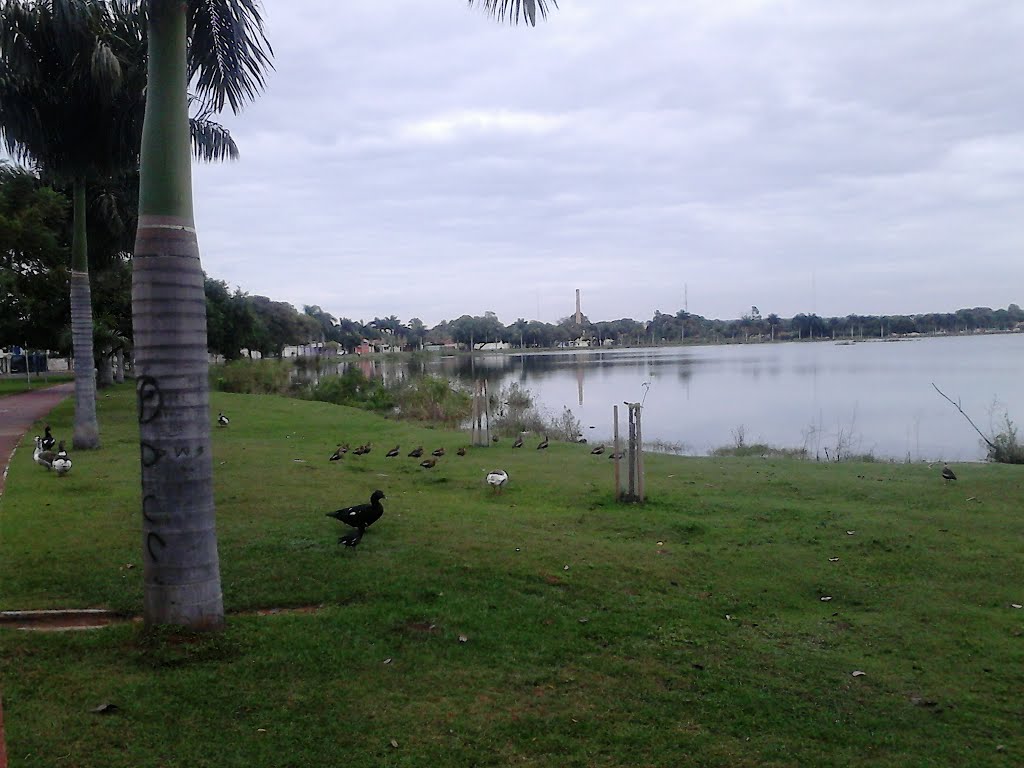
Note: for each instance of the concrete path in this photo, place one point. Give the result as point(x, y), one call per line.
point(17, 412)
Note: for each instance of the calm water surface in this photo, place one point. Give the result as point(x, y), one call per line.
point(871, 396)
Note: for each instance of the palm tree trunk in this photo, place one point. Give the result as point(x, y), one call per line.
point(179, 540)
point(86, 431)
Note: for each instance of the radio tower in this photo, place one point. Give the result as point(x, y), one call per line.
point(579, 313)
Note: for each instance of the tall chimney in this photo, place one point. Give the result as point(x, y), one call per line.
point(579, 314)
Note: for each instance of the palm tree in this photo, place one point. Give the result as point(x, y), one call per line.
point(72, 96)
point(219, 45)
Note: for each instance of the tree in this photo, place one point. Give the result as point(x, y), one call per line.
point(33, 260)
point(72, 98)
point(220, 44)
point(69, 88)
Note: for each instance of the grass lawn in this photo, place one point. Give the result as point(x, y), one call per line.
point(690, 631)
point(12, 385)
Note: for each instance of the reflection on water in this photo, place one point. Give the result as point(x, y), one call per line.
point(876, 396)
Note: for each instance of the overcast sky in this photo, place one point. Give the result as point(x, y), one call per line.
point(415, 157)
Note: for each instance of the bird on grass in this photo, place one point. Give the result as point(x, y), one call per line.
point(494, 439)
point(616, 455)
point(543, 444)
point(461, 451)
point(598, 450)
point(48, 439)
point(428, 463)
point(222, 420)
point(361, 516)
point(351, 539)
point(497, 478)
point(416, 452)
point(947, 473)
point(438, 453)
point(41, 457)
point(392, 453)
point(518, 443)
point(340, 451)
point(362, 450)
point(61, 462)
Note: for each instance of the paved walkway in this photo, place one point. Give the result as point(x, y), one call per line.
point(17, 412)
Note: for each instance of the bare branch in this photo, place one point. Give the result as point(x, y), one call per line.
point(957, 406)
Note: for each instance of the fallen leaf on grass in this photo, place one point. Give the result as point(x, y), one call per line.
point(850, 533)
point(387, 660)
point(1016, 605)
point(463, 639)
point(104, 709)
point(584, 620)
point(565, 567)
point(394, 744)
point(833, 559)
point(858, 673)
point(825, 599)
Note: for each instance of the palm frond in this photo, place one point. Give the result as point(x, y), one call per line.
point(210, 140)
point(514, 10)
point(228, 51)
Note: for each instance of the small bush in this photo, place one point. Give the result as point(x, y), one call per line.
point(1005, 448)
point(354, 389)
point(433, 399)
point(513, 412)
point(253, 377)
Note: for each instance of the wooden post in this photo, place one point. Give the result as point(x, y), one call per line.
point(639, 457)
point(632, 453)
point(617, 452)
point(487, 412)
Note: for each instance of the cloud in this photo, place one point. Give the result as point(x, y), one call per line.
point(419, 159)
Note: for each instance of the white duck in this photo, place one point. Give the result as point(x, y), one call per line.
point(61, 462)
point(497, 478)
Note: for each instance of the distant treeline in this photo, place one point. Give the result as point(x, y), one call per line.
point(237, 321)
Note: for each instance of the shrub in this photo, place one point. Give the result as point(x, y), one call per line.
point(433, 399)
point(354, 389)
point(1004, 447)
point(253, 377)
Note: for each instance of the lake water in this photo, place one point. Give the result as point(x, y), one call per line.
point(867, 397)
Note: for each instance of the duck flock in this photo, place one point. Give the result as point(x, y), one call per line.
point(358, 516)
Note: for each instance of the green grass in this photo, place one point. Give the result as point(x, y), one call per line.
point(686, 632)
point(12, 385)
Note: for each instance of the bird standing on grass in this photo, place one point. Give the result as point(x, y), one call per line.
point(518, 443)
point(947, 473)
point(497, 478)
point(361, 516)
point(48, 439)
point(61, 462)
point(351, 539)
point(416, 452)
point(438, 453)
point(598, 450)
point(41, 457)
point(428, 463)
point(222, 420)
point(392, 453)
point(543, 444)
point(461, 451)
point(340, 451)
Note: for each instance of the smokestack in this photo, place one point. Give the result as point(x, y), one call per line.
point(579, 314)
